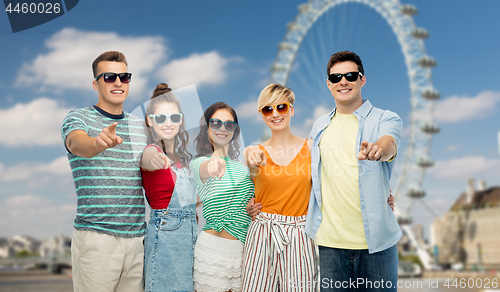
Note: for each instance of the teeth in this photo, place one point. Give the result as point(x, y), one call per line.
point(278, 121)
point(117, 91)
point(344, 91)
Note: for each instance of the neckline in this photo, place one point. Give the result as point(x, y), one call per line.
point(295, 157)
point(108, 115)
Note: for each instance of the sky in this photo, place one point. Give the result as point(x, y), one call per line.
point(225, 49)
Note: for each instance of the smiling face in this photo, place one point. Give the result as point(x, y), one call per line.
point(168, 130)
point(345, 93)
point(111, 95)
point(277, 121)
point(221, 137)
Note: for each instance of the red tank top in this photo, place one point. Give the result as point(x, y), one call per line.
point(158, 185)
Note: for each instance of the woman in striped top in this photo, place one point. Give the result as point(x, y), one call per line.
point(225, 188)
point(171, 194)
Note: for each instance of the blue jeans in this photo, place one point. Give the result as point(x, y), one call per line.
point(357, 270)
point(169, 251)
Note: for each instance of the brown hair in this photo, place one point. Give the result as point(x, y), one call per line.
point(202, 143)
point(109, 56)
point(161, 94)
point(344, 56)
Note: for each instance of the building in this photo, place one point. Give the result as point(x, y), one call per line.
point(470, 232)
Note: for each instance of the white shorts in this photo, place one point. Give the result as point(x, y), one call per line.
point(217, 263)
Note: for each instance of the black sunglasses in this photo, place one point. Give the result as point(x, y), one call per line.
point(111, 77)
point(349, 76)
point(217, 124)
point(161, 118)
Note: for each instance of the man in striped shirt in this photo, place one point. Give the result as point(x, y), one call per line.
point(104, 146)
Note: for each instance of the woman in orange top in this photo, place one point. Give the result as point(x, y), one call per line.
point(279, 256)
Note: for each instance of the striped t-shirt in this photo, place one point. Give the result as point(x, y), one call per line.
point(224, 200)
point(108, 185)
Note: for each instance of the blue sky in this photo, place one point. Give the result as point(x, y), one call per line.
point(226, 49)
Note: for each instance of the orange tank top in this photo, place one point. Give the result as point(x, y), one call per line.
point(284, 190)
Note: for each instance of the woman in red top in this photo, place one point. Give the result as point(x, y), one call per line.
point(171, 194)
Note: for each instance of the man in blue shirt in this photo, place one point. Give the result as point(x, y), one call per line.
point(353, 153)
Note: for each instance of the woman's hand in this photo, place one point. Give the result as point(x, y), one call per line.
point(253, 209)
point(255, 158)
point(390, 201)
point(159, 161)
point(216, 167)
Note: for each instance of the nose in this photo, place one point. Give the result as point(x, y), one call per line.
point(118, 81)
point(168, 122)
point(275, 112)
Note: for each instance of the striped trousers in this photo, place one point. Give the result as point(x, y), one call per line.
point(279, 256)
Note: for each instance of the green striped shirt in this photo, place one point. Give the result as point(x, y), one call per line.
point(108, 185)
point(224, 200)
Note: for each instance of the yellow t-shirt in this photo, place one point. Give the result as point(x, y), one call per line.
point(342, 224)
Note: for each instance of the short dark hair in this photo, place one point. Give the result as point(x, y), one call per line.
point(202, 143)
point(344, 56)
point(110, 56)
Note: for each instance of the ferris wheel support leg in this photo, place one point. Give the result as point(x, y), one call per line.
point(424, 256)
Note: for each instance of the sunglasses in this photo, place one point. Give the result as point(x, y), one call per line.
point(281, 108)
point(161, 118)
point(111, 77)
point(217, 124)
point(349, 76)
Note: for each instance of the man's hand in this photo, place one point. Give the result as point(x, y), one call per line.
point(256, 158)
point(369, 151)
point(216, 167)
point(107, 138)
point(253, 209)
point(159, 161)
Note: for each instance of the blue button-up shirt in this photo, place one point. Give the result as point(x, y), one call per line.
point(381, 227)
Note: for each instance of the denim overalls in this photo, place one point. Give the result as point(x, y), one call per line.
point(170, 239)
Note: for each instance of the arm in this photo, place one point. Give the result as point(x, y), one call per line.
point(389, 138)
point(81, 144)
point(382, 150)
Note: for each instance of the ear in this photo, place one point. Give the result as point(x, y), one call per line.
point(363, 80)
point(328, 83)
point(292, 110)
point(95, 85)
point(149, 121)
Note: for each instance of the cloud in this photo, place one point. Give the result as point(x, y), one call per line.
point(199, 69)
point(35, 215)
point(32, 124)
point(469, 166)
point(248, 109)
point(67, 65)
point(458, 109)
point(36, 172)
point(452, 148)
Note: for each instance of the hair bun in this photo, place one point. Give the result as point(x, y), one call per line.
point(161, 89)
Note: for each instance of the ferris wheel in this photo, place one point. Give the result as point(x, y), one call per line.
point(418, 65)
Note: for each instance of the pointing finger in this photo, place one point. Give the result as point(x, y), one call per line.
point(111, 128)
